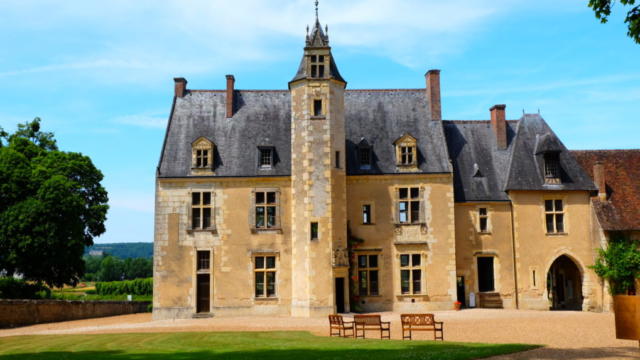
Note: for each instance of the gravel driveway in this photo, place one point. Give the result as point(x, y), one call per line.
point(567, 335)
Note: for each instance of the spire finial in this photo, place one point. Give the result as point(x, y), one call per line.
point(316, 10)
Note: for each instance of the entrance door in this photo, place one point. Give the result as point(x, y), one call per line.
point(339, 295)
point(564, 283)
point(485, 274)
point(203, 293)
point(460, 290)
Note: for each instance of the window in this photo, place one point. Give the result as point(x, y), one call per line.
point(201, 210)
point(483, 220)
point(202, 158)
point(317, 107)
point(313, 231)
point(406, 151)
point(366, 214)
point(266, 209)
point(317, 66)
point(337, 159)
point(365, 157)
point(552, 167)
point(406, 155)
point(202, 154)
point(265, 276)
point(266, 158)
point(554, 216)
point(410, 274)
point(409, 205)
point(203, 260)
point(367, 275)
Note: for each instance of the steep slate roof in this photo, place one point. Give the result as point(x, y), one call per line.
point(527, 163)
point(263, 118)
point(480, 168)
point(621, 210)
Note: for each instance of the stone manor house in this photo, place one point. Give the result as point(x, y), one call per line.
point(260, 195)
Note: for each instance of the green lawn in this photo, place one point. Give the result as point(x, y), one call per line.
point(237, 345)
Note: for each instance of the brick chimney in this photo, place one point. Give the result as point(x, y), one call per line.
point(180, 86)
point(231, 81)
point(433, 94)
point(599, 178)
point(499, 125)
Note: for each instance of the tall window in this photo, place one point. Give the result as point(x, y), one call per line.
point(366, 214)
point(203, 260)
point(266, 157)
point(554, 216)
point(317, 107)
point(202, 158)
point(410, 274)
point(406, 155)
point(483, 220)
point(317, 66)
point(265, 276)
point(409, 205)
point(367, 275)
point(266, 209)
point(313, 231)
point(365, 157)
point(201, 210)
point(552, 167)
point(337, 159)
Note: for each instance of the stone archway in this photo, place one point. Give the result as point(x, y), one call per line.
point(564, 284)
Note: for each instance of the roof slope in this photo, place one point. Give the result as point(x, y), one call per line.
point(263, 118)
point(622, 178)
point(526, 166)
point(480, 168)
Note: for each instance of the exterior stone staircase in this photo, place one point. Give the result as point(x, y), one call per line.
point(490, 300)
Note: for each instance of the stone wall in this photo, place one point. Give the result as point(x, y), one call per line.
point(27, 312)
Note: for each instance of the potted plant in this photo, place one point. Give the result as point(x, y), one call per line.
point(619, 265)
point(457, 305)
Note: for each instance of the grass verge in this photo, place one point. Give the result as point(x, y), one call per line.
point(238, 345)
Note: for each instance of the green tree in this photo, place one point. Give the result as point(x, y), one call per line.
point(111, 269)
point(619, 264)
point(138, 268)
point(52, 205)
point(602, 8)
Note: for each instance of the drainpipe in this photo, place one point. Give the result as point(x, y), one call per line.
point(513, 247)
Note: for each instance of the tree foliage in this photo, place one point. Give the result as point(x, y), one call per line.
point(619, 264)
point(602, 9)
point(111, 268)
point(52, 205)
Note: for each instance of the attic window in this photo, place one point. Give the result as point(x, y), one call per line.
point(406, 152)
point(202, 158)
point(552, 167)
point(365, 157)
point(317, 66)
point(266, 158)
point(202, 153)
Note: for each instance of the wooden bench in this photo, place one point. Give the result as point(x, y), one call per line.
point(339, 327)
point(421, 322)
point(372, 322)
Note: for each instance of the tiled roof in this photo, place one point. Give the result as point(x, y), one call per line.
point(621, 210)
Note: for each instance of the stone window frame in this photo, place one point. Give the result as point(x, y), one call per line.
point(372, 211)
point(323, 108)
point(487, 216)
point(272, 161)
point(411, 267)
point(190, 210)
point(264, 270)
point(368, 269)
point(410, 199)
point(203, 144)
point(277, 228)
point(406, 143)
point(197, 271)
point(555, 214)
point(320, 63)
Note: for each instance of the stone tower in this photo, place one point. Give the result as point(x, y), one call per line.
point(319, 226)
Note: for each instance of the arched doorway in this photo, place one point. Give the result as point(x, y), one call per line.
point(564, 284)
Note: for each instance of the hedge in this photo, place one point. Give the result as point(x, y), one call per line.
point(127, 287)
point(12, 288)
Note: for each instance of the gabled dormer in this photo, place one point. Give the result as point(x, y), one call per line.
point(406, 153)
point(547, 152)
point(202, 156)
point(365, 155)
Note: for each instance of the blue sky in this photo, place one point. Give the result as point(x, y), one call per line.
point(100, 73)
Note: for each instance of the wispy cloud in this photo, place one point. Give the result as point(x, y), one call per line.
point(155, 120)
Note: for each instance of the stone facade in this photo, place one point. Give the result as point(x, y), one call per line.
point(440, 218)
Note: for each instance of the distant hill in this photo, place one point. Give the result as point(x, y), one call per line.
point(122, 250)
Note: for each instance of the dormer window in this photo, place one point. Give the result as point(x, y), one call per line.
point(365, 155)
point(406, 152)
point(266, 158)
point(552, 167)
point(317, 66)
point(202, 154)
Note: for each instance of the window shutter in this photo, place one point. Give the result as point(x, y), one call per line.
point(252, 210)
point(189, 212)
point(278, 224)
point(423, 218)
point(395, 206)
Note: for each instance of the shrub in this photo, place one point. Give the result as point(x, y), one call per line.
point(12, 288)
point(619, 264)
point(132, 287)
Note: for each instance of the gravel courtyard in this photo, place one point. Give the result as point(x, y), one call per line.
point(567, 335)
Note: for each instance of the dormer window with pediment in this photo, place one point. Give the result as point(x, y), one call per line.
point(406, 152)
point(202, 156)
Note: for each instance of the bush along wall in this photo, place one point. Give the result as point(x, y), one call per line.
point(12, 288)
point(127, 287)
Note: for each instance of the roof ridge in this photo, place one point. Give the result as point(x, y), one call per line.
point(605, 150)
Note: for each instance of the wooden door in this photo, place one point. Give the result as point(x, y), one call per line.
point(203, 293)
